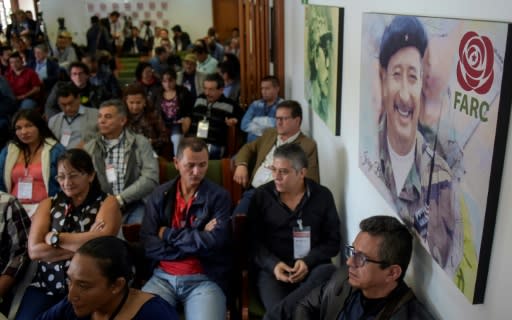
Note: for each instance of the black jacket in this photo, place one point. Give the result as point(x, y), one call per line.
point(329, 300)
point(271, 224)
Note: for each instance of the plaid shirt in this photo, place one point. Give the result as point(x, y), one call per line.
point(115, 157)
point(14, 227)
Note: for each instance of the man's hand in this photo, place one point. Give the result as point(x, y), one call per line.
point(161, 233)
point(185, 124)
point(282, 271)
point(231, 121)
point(299, 272)
point(210, 225)
point(241, 175)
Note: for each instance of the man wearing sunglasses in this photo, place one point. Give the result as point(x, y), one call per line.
point(371, 285)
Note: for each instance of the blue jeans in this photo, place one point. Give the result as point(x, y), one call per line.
point(133, 213)
point(201, 297)
point(28, 104)
point(34, 302)
point(175, 137)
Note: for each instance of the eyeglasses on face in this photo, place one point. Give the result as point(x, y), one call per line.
point(71, 176)
point(359, 259)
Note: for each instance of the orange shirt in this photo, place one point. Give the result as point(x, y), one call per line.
point(35, 171)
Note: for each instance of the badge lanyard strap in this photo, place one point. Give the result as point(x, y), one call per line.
point(28, 157)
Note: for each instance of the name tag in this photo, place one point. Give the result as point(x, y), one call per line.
point(25, 187)
point(111, 173)
point(66, 136)
point(301, 242)
point(202, 129)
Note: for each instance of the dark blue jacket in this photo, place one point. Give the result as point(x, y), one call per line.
point(211, 248)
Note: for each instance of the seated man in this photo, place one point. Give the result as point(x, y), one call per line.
point(14, 227)
point(261, 113)
point(76, 124)
point(186, 232)
point(211, 116)
point(189, 77)
point(101, 76)
point(64, 50)
point(159, 61)
point(294, 233)
point(371, 285)
point(205, 62)
point(257, 156)
point(24, 82)
point(134, 45)
point(90, 95)
point(125, 163)
point(46, 69)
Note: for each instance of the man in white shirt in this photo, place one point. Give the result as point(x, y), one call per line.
point(257, 156)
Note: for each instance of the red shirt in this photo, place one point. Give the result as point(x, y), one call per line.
point(24, 82)
point(185, 266)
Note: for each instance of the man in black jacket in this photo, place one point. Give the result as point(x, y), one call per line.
point(295, 231)
point(371, 286)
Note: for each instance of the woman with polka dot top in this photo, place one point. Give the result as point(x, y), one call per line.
point(61, 224)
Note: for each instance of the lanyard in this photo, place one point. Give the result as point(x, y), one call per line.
point(120, 306)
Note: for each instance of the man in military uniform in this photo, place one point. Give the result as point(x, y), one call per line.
point(419, 180)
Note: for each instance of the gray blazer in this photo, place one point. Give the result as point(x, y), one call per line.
point(141, 169)
point(88, 128)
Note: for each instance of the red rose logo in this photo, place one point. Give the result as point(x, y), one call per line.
point(476, 60)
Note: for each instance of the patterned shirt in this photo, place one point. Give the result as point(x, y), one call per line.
point(14, 227)
point(66, 218)
point(115, 159)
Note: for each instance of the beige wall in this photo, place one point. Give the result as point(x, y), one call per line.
point(355, 195)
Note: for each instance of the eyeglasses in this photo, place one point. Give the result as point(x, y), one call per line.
point(71, 176)
point(283, 118)
point(359, 259)
point(280, 172)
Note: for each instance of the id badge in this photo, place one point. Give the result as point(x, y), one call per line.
point(66, 136)
point(25, 187)
point(111, 173)
point(301, 242)
point(202, 129)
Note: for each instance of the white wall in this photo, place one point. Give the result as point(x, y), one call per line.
point(194, 16)
point(356, 197)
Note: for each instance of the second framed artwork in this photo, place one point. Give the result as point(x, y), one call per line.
point(434, 116)
point(324, 63)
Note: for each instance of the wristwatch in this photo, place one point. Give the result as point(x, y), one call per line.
point(54, 239)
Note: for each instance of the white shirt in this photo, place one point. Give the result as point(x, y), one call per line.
point(263, 173)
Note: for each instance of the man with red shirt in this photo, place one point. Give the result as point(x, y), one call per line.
point(24, 82)
point(185, 231)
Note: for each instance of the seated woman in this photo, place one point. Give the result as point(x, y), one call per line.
point(28, 164)
point(99, 275)
point(145, 76)
point(143, 119)
point(61, 224)
point(173, 102)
